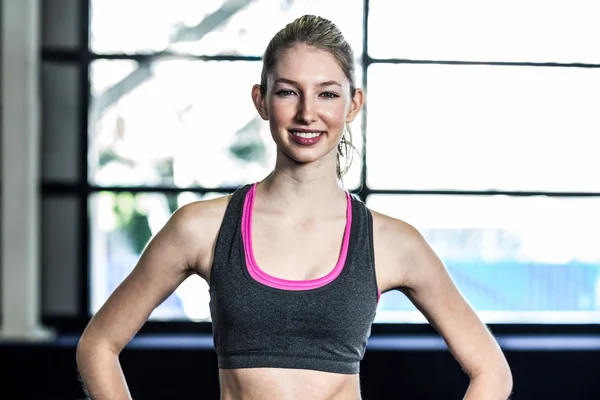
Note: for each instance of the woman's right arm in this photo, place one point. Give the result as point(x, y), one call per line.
point(170, 257)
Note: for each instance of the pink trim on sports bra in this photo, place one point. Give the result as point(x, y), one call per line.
point(259, 275)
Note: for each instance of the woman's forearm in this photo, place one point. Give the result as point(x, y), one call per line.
point(490, 386)
point(101, 373)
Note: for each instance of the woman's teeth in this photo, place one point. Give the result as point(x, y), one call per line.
point(306, 135)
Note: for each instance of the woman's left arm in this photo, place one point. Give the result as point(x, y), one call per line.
point(425, 280)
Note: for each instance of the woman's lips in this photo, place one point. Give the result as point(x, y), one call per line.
point(305, 137)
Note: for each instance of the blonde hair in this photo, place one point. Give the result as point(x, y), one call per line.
point(322, 34)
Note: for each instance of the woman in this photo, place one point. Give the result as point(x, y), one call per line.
point(294, 263)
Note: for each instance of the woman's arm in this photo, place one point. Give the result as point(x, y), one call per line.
point(168, 259)
point(422, 276)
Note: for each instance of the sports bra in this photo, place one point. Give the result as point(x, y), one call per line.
point(259, 320)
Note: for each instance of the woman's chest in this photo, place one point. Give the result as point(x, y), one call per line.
point(297, 250)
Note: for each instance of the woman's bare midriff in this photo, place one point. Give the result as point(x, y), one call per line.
point(287, 384)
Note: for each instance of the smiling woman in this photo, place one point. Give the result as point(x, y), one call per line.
point(295, 263)
point(301, 96)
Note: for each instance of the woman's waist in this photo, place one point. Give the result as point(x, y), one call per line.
point(287, 384)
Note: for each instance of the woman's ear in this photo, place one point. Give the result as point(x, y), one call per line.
point(357, 103)
point(259, 102)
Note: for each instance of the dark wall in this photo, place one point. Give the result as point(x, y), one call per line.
point(50, 373)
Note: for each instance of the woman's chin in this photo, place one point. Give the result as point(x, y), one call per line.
point(306, 156)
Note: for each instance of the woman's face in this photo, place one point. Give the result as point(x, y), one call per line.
point(307, 104)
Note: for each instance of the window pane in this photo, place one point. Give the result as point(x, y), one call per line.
point(172, 122)
point(210, 27)
point(121, 225)
point(483, 127)
point(181, 123)
point(471, 30)
point(531, 260)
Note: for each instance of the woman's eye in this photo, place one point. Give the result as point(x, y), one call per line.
point(285, 93)
point(330, 95)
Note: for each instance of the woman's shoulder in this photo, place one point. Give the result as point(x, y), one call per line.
point(198, 224)
point(396, 244)
point(196, 214)
point(390, 228)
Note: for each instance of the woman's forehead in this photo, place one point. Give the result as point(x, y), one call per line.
point(308, 66)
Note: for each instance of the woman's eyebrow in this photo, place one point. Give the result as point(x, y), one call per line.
point(322, 84)
point(330, 83)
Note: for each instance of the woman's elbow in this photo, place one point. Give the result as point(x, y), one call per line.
point(500, 379)
point(90, 348)
point(84, 352)
point(507, 379)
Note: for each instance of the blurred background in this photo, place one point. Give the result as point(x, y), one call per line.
point(481, 129)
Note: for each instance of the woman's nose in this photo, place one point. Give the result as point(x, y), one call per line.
point(307, 111)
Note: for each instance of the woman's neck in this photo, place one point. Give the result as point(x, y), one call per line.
point(303, 193)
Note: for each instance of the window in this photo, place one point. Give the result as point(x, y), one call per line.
point(479, 131)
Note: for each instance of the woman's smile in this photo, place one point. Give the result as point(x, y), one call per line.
point(305, 137)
